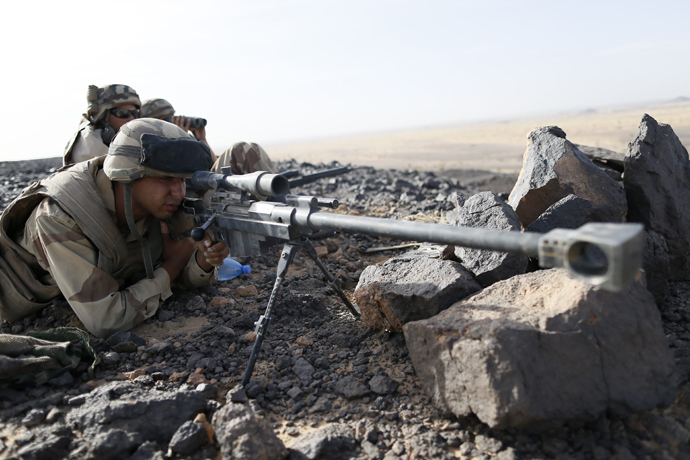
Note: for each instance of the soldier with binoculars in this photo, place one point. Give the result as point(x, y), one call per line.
point(242, 157)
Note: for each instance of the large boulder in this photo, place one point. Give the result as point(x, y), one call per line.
point(542, 349)
point(410, 287)
point(153, 415)
point(487, 210)
point(656, 175)
point(569, 212)
point(554, 168)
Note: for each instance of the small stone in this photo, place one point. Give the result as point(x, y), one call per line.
point(246, 291)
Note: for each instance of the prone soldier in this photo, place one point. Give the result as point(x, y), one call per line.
point(96, 232)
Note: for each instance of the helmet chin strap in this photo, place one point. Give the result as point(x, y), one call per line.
point(148, 261)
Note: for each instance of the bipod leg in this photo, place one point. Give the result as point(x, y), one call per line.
point(286, 258)
point(332, 281)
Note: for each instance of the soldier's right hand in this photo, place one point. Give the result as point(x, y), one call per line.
point(176, 253)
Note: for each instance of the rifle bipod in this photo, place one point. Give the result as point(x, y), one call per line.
point(286, 257)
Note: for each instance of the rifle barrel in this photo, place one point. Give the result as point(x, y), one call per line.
point(480, 238)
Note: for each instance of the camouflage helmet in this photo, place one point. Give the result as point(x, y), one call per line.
point(157, 108)
point(106, 97)
point(148, 147)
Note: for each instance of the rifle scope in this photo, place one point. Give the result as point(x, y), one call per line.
point(258, 183)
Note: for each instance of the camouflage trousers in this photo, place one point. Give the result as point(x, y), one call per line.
point(244, 158)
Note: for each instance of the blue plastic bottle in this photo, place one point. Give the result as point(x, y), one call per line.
point(232, 269)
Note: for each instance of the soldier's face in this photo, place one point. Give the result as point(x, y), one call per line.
point(116, 122)
point(157, 196)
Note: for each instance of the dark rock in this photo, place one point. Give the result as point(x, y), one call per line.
point(656, 265)
point(487, 210)
point(351, 388)
point(570, 212)
point(332, 441)
point(121, 405)
point(615, 160)
point(554, 168)
point(383, 385)
point(657, 168)
point(189, 438)
point(125, 342)
point(114, 444)
point(303, 369)
point(48, 445)
point(543, 349)
point(165, 315)
point(148, 451)
point(410, 287)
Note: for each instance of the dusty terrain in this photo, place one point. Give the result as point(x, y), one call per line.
point(493, 145)
point(311, 322)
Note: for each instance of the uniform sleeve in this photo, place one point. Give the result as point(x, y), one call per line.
point(93, 294)
point(193, 276)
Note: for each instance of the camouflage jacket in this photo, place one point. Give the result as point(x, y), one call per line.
point(85, 144)
point(106, 288)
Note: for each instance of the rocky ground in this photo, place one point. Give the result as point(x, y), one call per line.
point(319, 366)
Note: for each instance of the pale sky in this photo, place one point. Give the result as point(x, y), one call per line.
point(272, 71)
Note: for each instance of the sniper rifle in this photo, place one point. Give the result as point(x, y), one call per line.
point(251, 227)
point(291, 175)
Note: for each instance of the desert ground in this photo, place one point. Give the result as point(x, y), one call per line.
point(496, 145)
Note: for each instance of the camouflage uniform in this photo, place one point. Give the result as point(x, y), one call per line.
point(88, 141)
point(245, 158)
point(157, 108)
point(97, 267)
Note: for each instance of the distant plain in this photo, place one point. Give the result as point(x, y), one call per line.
point(496, 146)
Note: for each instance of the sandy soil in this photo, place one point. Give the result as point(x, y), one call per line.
point(495, 146)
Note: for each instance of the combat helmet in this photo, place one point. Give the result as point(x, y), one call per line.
point(148, 147)
point(151, 147)
point(157, 108)
point(102, 99)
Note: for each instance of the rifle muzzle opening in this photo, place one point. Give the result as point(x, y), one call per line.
point(606, 255)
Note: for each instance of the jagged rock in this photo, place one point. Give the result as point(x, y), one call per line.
point(487, 210)
point(383, 385)
point(351, 388)
point(189, 438)
point(656, 265)
point(409, 287)
point(335, 441)
point(243, 435)
point(554, 168)
point(614, 160)
point(156, 416)
point(148, 451)
point(48, 445)
point(125, 342)
point(303, 369)
point(114, 444)
point(542, 349)
point(657, 168)
point(570, 212)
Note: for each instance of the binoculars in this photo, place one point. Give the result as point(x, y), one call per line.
point(196, 122)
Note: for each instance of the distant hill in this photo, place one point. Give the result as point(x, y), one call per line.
point(497, 146)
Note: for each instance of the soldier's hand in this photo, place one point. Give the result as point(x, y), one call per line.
point(176, 254)
point(199, 133)
point(211, 254)
point(182, 122)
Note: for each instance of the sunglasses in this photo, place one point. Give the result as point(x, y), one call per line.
point(124, 113)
